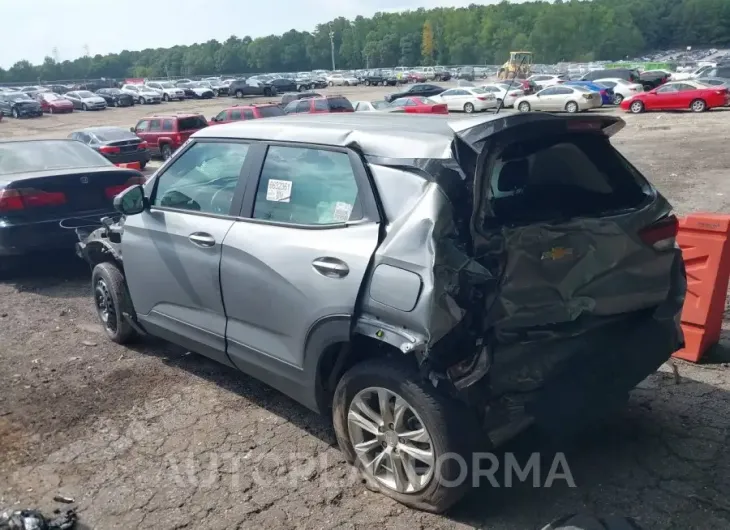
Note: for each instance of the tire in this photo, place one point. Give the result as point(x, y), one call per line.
point(524, 107)
point(331, 83)
point(589, 522)
point(50, 110)
point(14, 113)
point(142, 165)
point(617, 99)
point(572, 107)
point(468, 108)
point(347, 83)
point(447, 425)
point(267, 92)
point(166, 151)
point(165, 97)
point(698, 105)
point(142, 101)
point(637, 107)
point(84, 107)
point(239, 94)
point(112, 300)
point(367, 82)
point(500, 103)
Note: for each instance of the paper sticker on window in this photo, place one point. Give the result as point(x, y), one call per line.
point(342, 212)
point(278, 190)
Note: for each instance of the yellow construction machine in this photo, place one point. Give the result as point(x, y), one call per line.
point(519, 66)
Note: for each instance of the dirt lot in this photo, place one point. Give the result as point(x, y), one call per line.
point(155, 437)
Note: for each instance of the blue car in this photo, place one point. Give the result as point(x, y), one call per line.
point(606, 93)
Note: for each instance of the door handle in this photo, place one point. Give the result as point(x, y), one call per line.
point(331, 267)
point(202, 239)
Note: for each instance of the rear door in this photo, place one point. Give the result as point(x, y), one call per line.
point(297, 260)
point(172, 251)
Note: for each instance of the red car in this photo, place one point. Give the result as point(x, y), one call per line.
point(164, 134)
point(679, 95)
point(53, 103)
point(420, 105)
point(416, 77)
point(247, 112)
point(319, 105)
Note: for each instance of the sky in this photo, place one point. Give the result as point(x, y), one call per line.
point(31, 30)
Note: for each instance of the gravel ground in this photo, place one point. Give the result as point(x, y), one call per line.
point(155, 437)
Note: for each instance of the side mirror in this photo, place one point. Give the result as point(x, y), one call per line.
point(131, 201)
point(214, 119)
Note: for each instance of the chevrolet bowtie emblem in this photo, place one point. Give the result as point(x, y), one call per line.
point(557, 253)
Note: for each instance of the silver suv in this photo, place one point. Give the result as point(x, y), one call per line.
point(434, 285)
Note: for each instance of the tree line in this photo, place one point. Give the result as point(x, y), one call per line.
point(479, 34)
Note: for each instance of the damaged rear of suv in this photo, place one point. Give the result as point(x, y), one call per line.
point(437, 286)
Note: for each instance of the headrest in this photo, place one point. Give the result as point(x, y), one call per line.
point(514, 175)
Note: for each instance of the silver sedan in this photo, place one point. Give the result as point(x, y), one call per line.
point(560, 99)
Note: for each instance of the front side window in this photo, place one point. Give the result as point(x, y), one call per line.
point(142, 126)
point(302, 106)
point(155, 126)
point(307, 186)
point(202, 179)
point(168, 126)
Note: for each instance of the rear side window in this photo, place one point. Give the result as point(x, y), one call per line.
point(562, 177)
point(321, 105)
point(340, 105)
point(270, 112)
point(307, 187)
point(191, 123)
point(248, 114)
point(168, 126)
point(302, 106)
point(723, 71)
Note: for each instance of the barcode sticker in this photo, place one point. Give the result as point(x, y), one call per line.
point(342, 212)
point(278, 190)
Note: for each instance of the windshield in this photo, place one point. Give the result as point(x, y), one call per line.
point(19, 97)
point(478, 90)
point(166, 85)
point(21, 157)
point(52, 97)
point(112, 91)
point(85, 94)
point(113, 134)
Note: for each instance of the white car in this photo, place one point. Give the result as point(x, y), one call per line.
point(560, 98)
point(141, 94)
point(342, 80)
point(370, 106)
point(696, 74)
point(168, 90)
point(467, 99)
point(505, 92)
point(622, 89)
point(546, 80)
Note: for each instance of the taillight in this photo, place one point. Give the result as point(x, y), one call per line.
point(177, 138)
point(481, 98)
point(19, 199)
point(515, 94)
point(143, 145)
point(662, 234)
point(113, 191)
point(109, 150)
point(588, 96)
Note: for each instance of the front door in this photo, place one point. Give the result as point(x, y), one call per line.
point(544, 99)
point(172, 251)
point(299, 263)
point(665, 97)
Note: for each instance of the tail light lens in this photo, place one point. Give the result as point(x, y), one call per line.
point(482, 98)
point(113, 191)
point(22, 198)
point(514, 94)
point(661, 235)
point(177, 138)
point(587, 96)
point(143, 145)
point(109, 150)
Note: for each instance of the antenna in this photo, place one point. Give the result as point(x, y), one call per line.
point(509, 87)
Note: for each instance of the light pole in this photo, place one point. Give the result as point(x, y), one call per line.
point(332, 48)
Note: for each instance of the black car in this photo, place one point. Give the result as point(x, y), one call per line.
point(119, 146)
point(282, 84)
point(296, 96)
point(45, 182)
point(304, 83)
point(251, 87)
point(466, 73)
point(59, 89)
point(653, 78)
point(628, 74)
point(373, 77)
point(19, 105)
point(418, 89)
point(115, 97)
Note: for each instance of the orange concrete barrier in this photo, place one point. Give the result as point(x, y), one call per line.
point(705, 243)
point(131, 165)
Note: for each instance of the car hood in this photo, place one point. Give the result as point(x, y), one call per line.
point(93, 99)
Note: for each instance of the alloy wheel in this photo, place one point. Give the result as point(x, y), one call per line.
point(105, 306)
point(390, 440)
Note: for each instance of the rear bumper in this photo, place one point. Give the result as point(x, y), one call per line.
point(25, 238)
point(132, 156)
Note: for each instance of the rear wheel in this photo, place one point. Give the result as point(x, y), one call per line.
point(468, 108)
point(112, 302)
point(267, 92)
point(239, 94)
point(617, 99)
point(166, 151)
point(698, 105)
point(572, 107)
point(15, 113)
point(347, 83)
point(367, 82)
point(637, 107)
point(404, 436)
point(84, 107)
point(331, 83)
point(524, 107)
point(165, 97)
point(142, 100)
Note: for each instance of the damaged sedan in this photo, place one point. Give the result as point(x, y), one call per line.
point(436, 285)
